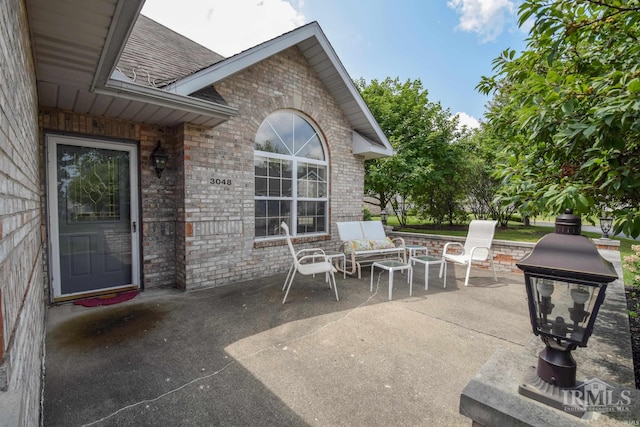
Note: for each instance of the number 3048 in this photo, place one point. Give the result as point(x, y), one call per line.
point(218, 181)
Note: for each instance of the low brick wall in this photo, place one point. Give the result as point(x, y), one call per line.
point(505, 253)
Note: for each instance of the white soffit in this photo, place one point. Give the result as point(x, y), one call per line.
point(76, 45)
point(368, 149)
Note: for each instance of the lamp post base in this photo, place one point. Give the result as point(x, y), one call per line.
point(557, 367)
point(566, 399)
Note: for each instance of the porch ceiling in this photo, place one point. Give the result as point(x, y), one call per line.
point(76, 45)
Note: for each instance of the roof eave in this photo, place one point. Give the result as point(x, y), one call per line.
point(240, 61)
point(366, 148)
point(162, 98)
point(122, 24)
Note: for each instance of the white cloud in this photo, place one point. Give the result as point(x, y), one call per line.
point(467, 120)
point(226, 26)
point(487, 18)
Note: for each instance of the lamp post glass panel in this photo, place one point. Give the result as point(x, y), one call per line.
point(566, 279)
point(563, 309)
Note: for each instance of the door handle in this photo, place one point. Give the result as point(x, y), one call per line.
point(133, 224)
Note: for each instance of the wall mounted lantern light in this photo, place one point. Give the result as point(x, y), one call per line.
point(566, 279)
point(159, 157)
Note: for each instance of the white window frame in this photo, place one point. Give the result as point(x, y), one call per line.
point(294, 199)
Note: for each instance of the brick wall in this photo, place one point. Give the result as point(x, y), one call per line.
point(216, 229)
point(21, 274)
point(505, 253)
point(159, 202)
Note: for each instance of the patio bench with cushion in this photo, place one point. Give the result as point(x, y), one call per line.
point(366, 242)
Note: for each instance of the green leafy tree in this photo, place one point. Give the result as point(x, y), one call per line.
point(420, 132)
point(571, 105)
point(479, 183)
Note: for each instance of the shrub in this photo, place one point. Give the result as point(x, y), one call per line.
point(632, 262)
point(366, 214)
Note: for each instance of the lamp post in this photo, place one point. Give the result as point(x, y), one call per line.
point(606, 223)
point(159, 157)
point(566, 279)
point(383, 216)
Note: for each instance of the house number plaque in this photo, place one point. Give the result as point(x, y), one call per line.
point(219, 181)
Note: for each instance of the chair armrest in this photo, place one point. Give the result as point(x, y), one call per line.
point(475, 248)
point(347, 243)
point(455, 244)
point(397, 240)
point(318, 255)
point(310, 250)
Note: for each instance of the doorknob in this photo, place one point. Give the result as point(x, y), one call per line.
point(134, 226)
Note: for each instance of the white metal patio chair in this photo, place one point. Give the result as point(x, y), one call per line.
point(302, 266)
point(476, 248)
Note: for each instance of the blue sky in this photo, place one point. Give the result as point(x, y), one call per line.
point(447, 44)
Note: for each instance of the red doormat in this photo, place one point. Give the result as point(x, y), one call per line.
point(107, 299)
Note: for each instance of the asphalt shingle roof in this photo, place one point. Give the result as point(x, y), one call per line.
point(155, 55)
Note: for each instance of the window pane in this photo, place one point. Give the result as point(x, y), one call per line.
point(274, 187)
point(282, 124)
point(287, 169)
point(322, 189)
point(287, 187)
point(275, 168)
point(307, 142)
point(261, 209)
point(90, 183)
point(260, 166)
point(303, 188)
point(261, 186)
point(273, 226)
point(285, 209)
point(269, 141)
point(312, 149)
point(261, 227)
point(322, 173)
point(273, 208)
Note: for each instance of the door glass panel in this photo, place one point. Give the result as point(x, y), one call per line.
point(93, 218)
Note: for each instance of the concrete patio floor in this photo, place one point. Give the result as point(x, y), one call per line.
point(235, 355)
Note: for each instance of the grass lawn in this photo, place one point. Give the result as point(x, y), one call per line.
point(516, 232)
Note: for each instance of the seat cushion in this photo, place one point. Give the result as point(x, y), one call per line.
point(369, 245)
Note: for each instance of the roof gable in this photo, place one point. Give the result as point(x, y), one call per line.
point(322, 58)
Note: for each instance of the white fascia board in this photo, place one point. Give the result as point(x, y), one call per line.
point(149, 95)
point(368, 149)
point(122, 23)
point(355, 94)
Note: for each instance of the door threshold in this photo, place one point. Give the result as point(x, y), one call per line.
point(104, 293)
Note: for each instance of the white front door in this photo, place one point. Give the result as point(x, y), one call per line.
point(92, 190)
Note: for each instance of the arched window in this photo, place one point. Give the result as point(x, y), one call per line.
point(291, 177)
